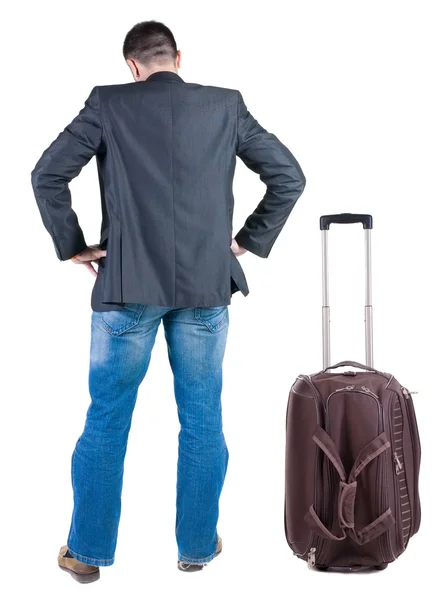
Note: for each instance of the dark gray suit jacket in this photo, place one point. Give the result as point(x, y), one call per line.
point(166, 154)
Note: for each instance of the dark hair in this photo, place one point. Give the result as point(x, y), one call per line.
point(150, 42)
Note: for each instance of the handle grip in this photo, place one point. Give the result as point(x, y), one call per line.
point(350, 363)
point(353, 363)
point(344, 219)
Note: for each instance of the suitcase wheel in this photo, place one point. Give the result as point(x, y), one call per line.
point(381, 567)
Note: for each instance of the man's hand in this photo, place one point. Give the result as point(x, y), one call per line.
point(237, 250)
point(89, 256)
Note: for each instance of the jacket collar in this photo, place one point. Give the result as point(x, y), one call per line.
point(169, 76)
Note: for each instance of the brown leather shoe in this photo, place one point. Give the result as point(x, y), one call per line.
point(191, 568)
point(78, 570)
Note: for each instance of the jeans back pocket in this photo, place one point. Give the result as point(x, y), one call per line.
point(117, 322)
point(213, 317)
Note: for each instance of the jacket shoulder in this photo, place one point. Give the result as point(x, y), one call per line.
point(214, 90)
point(213, 96)
point(114, 89)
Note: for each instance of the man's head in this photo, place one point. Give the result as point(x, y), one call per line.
point(149, 47)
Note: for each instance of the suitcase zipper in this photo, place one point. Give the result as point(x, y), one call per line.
point(312, 386)
point(368, 391)
point(397, 466)
point(311, 550)
point(319, 500)
point(351, 388)
point(325, 546)
point(385, 542)
point(413, 429)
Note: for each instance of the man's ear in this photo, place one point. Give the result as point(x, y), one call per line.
point(178, 59)
point(133, 67)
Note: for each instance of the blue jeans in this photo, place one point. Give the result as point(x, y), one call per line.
point(121, 346)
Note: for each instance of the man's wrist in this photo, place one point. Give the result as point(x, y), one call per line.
point(76, 255)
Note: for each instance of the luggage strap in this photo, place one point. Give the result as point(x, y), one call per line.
point(347, 491)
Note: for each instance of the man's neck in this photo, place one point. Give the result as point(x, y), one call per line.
point(170, 68)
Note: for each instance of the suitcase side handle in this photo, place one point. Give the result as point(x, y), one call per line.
point(345, 219)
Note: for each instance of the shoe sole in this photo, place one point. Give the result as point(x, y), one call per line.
point(193, 568)
point(82, 577)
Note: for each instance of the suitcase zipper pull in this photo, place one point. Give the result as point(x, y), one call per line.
point(398, 464)
point(311, 557)
point(368, 391)
point(407, 393)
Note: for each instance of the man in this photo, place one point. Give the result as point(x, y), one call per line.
point(166, 153)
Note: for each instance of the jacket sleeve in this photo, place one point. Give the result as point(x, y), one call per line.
point(263, 153)
point(60, 163)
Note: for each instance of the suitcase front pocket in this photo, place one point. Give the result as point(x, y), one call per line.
point(356, 505)
point(347, 525)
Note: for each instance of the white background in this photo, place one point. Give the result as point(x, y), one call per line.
point(350, 87)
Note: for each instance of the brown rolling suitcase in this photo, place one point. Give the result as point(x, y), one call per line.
point(352, 453)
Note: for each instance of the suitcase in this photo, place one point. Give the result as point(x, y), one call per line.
point(352, 452)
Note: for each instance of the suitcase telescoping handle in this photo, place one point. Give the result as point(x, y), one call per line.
point(367, 222)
